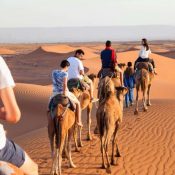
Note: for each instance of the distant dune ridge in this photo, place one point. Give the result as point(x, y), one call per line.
point(86, 34)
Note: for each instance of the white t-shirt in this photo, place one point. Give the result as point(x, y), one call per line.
point(144, 53)
point(75, 67)
point(6, 80)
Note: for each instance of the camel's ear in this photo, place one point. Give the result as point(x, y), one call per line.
point(92, 76)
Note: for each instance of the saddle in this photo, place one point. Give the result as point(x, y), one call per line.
point(107, 72)
point(144, 65)
point(63, 100)
point(76, 83)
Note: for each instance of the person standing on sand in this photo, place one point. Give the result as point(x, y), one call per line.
point(129, 82)
point(109, 60)
point(9, 151)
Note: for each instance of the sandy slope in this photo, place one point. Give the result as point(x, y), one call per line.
point(146, 142)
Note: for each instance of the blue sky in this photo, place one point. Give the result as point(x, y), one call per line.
point(56, 13)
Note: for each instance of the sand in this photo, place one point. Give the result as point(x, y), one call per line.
point(146, 142)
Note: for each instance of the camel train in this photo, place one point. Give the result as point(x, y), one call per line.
point(111, 92)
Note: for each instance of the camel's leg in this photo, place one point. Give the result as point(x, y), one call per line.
point(89, 109)
point(51, 133)
point(55, 158)
point(96, 131)
point(75, 139)
point(114, 144)
point(80, 138)
point(60, 151)
point(102, 152)
point(137, 98)
point(68, 147)
point(148, 95)
point(106, 145)
point(145, 108)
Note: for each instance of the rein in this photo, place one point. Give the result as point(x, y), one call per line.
point(60, 117)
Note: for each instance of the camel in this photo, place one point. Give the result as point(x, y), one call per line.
point(143, 79)
point(60, 131)
point(9, 169)
point(109, 116)
point(86, 103)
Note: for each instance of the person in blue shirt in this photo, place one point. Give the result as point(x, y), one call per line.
point(59, 82)
point(129, 82)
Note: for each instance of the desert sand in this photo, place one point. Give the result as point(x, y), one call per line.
point(146, 142)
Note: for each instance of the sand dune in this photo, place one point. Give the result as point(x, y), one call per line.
point(36, 67)
point(89, 53)
point(4, 51)
point(146, 142)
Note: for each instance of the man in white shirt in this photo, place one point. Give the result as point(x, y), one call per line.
point(76, 70)
point(9, 151)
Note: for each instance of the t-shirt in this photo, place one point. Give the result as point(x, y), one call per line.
point(108, 58)
point(75, 67)
point(57, 79)
point(144, 53)
point(6, 80)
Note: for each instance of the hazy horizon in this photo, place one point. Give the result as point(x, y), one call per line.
point(86, 34)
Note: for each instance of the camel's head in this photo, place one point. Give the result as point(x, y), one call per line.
point(92, 77)
point(77, 92)
point(106, 88)
point(121, 91)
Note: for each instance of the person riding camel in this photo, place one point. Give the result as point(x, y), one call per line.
point(144, 57)
point(59, 79)
point(109, 61)
point(76, 71)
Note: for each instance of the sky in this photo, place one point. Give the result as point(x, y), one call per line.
point(63, 13)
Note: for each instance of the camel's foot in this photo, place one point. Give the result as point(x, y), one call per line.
point(145, 109)
point(89, 137)
point(113, 162)
point(136, 112)
point(148, 104)
point(72, 165)
point(77, 149)
point(103, 166)
point(80, 144)
point(118, 155)
point(108, 170)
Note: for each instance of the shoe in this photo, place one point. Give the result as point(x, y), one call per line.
point(131, 104)
point(93, 100)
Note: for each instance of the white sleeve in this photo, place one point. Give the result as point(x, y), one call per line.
point(6, 79)
point(80, 66)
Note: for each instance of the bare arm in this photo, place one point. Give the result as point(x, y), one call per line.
point(10, 112)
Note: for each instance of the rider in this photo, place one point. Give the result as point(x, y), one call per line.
point(59, 79)
point(76, 70)
point(144, 56)
point(9, 151)
point(109, 60)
